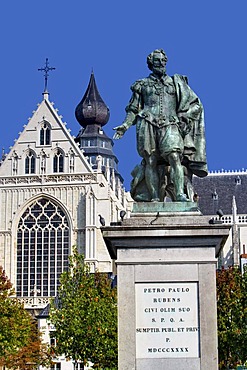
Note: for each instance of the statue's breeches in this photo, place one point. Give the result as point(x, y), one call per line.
point(158, 140)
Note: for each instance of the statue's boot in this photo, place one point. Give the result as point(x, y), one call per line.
point(182, 198)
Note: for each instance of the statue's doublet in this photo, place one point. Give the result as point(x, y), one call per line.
point(155, 100)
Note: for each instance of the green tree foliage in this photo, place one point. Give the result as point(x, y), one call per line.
point(232, 317)
point(85, 316)
point(21, 345)
point(34, 353)
point(14, 320)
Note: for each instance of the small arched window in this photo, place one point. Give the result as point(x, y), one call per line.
point(45, 134)
point(58, 161)
point(30, 162)
point(238, 180)
point(215, 195)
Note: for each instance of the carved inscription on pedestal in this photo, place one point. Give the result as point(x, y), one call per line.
point(167, 320)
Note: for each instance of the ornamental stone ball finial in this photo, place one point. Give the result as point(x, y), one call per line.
point(170, 132)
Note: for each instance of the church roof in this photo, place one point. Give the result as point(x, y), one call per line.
point(216, 192)
point(44, 313)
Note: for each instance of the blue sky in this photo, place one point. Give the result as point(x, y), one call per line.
point(205, 40)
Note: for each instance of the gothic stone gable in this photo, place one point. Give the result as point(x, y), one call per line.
point(44, 147)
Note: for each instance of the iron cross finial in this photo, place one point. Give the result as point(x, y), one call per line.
point(46, 69)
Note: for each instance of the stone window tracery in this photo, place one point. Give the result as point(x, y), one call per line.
point(42, 248)
point(58, 161)
point(30, 162)
point(45, 133)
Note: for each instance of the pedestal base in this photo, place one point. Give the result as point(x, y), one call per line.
point(166, 291)
point(169, 208)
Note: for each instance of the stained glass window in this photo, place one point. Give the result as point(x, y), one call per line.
point(42, 248)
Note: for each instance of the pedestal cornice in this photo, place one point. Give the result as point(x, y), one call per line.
point(162, 231)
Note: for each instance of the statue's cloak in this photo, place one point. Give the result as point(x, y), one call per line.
point(190, 107)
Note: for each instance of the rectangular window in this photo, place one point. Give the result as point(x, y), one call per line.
point(52, 339)
point(55, 159)
point(27, 165)
point(60, 164)
point(32, 165)
point(48, 137)
point(42, 136)
point(56, 366)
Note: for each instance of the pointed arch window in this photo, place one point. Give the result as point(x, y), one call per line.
point(238, 180)
point(58, 161)
point(30, 162)
point(42, 248)
point(45, 134)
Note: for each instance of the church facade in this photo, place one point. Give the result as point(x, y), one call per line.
point(55, 191)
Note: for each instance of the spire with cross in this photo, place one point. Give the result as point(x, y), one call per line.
point(46, 69)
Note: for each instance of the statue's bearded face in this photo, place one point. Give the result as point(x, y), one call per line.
point(159, 64)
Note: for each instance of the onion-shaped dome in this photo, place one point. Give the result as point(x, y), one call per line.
point(92, 109)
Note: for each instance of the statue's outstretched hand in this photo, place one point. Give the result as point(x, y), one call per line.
point(120, 130)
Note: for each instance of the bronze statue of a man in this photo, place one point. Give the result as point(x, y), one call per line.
point(170, 134)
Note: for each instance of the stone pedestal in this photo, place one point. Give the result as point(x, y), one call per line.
point(166, 290)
